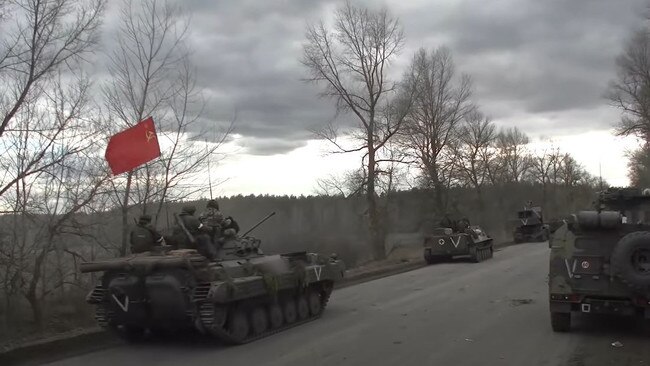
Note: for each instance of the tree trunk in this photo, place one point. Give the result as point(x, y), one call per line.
point(37, 309)
point(8, 309)
point(374, 230)
point(32, 291)
point(438, 188)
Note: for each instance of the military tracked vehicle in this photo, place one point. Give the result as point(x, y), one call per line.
point(461, 239)
point(242, 296)
point(600, 259)
point(530, 226)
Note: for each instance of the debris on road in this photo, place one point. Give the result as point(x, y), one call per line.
point(519, 302)
point(617, 344)
point(469, 340)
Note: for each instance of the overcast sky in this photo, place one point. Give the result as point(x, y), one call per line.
point(540, 65)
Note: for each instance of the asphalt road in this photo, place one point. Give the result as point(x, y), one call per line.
point(461, 313)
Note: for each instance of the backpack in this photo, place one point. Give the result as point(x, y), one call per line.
point(141, 240)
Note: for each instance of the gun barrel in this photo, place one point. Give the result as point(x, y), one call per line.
point(182, 225)
point(259, 223)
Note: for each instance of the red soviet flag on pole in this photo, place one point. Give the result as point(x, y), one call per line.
point(132, 147)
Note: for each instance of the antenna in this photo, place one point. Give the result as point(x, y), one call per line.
point(600, 174)
point(209, 172)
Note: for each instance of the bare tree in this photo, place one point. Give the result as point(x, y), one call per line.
point(631, 91)
point(513, 154)
point(45, 203)
point(151, 75)
point(347, 184)
point(639, 167)
point(473, 152)
point(351, 61)
point(440, 102)
point(543, 170)
point(44, 40)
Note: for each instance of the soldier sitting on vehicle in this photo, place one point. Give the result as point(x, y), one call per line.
point(221, 228)
point(212, 219)
point(144, 236)
point(447, 222)
point(197, 235)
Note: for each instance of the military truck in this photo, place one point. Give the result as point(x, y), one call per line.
point(600, 259)
point(530, 226)
point(242, 296)
point(460, 239)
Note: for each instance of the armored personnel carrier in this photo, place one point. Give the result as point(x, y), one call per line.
point(530, 226)
point(242, 296)
point(461, 239)
point(600, 259)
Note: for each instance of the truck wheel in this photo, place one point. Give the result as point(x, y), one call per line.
point(561, 322)
point(631, 259)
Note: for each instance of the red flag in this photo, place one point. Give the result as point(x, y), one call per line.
point(132, 147)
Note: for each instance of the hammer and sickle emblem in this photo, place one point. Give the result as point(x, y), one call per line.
point(149, 135)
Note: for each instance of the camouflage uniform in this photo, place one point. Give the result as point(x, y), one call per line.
point(221, 228)
point(212, 219)
point(199, 232)
point(144, 237)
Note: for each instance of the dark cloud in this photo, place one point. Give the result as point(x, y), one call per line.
point(527, 57)
point(543, 56)
point(269, 146)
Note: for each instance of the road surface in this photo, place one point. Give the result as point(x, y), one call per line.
point(461, 313)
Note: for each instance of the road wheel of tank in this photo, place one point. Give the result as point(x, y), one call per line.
point(238, 325)
point(631, 259)
point(561, 322)
point(289, 311)
point(428, 257)
point(473, 254)
point(276, 318)
point(259, 320)
point(644, 326)
point(302, 306)
point(315, 304)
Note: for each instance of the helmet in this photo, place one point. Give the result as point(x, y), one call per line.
point(190, 209)
point(212, 204)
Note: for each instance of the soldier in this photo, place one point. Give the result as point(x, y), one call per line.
point(221, 227)
point(212, 219)
point(230, 227)
point(144, 237)
point(199, 232)
point(448, 222)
